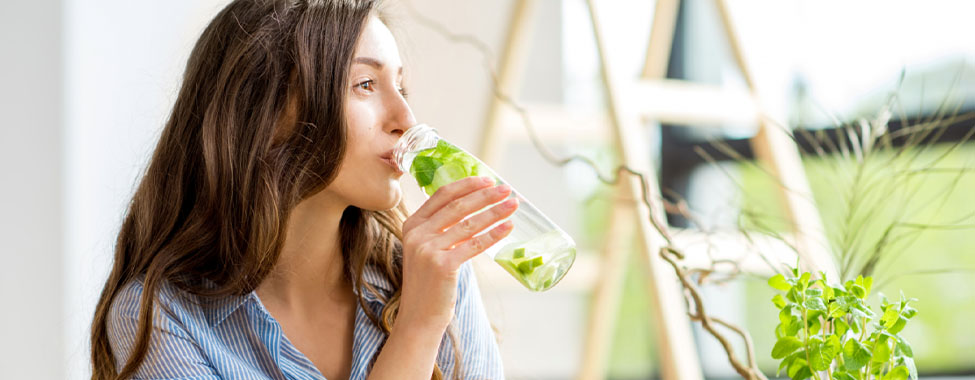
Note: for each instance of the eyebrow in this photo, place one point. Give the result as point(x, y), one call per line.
point(372, 62)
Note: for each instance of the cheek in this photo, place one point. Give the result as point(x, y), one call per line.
point(359, 115)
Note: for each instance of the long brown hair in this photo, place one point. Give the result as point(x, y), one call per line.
point(258, 126)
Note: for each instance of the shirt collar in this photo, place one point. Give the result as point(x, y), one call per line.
point(217, 310)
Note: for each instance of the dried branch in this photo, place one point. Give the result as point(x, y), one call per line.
point(749, 371)
point(698, 314)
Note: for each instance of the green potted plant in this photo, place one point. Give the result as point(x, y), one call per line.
point(829, 332)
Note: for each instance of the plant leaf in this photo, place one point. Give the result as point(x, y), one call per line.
point(840, 375)
point(898, 325)
point(423, 168)
point(821, 354)
point(840, 327)
point(911, 368)
point(881, 352)
point(799, 369)
point(804, 281)
point(787, 361)
point(890, 316)
point(778, 282)
point(815, 304)
point(905, 348)
point(858, 291)
point(785, 346)
point(855, 355)
point(898, 373)
point(779, 301)
point(909, 312)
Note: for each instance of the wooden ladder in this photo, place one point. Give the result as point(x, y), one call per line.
point(630, 102)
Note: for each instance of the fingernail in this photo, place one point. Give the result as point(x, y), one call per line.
point(487, 180)
point(502, 188)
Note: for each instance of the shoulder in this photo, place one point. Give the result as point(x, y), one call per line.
point(174, 347)
point(171, 306)
point(167, 297)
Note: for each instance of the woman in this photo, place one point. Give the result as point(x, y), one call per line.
point(267, 238)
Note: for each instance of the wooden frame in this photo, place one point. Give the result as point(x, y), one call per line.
point(629, 103)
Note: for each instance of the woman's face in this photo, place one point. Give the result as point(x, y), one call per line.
point(377, 115)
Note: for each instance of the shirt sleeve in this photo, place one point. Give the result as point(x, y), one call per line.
point(172, 353)
point(481, 357)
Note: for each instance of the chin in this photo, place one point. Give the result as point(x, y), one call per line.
point(389, 199)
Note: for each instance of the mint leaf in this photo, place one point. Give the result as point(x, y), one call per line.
point(904, 348)
point(908, 312)
point(799, 369)
point(821, 353)
point(840, 327)
point(423, 169)
point(840, 375)
point(785, 346)
point(890, 316)
point(858, 291)
point(815, 304)
point(855, 355)
point(898, 325)
point(898, 373)
point(881, 352)
point(779, 301)
point(778, 282)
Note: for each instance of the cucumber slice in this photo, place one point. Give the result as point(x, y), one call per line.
point(424, 168)
point(546, 276)
point(525, 267)
point(469, 163)
point(528, 266)
point(518, 253)
point(547, 284)
point(447, 173)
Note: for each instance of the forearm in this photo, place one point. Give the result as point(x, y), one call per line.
point(409, 353)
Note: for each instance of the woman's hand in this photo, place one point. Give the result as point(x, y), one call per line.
point(437, 239)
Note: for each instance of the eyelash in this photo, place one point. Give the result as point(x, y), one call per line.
point(402, 90)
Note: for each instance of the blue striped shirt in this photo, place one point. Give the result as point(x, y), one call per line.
point(237, 338)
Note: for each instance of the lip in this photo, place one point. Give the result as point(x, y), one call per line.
point(388, 159)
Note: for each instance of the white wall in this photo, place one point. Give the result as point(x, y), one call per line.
point(31, 188)
point(86, 87)
point(123, 63)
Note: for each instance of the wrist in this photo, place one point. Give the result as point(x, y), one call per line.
point(419, 325)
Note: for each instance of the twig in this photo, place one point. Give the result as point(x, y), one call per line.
point(750, 371)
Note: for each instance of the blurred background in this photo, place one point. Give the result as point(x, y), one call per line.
point(87, 85)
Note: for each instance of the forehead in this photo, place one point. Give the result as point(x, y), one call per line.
point(378, 42)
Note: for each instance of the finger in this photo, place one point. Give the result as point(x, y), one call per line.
point(451, 191)
point(460, 208)
point(478, 244)
point(469, 227)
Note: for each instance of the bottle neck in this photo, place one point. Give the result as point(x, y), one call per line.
point(417, 138)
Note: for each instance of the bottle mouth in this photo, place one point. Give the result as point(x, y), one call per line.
point(414, 139)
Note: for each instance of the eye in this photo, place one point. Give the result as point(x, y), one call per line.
point(366, 85)
point(402, 91)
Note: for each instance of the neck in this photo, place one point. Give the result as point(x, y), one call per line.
point(309, 271)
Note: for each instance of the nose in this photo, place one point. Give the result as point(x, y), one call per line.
point(400, 116)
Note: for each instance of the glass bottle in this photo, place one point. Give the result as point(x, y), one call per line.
point(537, 252)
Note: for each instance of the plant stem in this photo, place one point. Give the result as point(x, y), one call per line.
point(863, 331)
point(805, 341)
